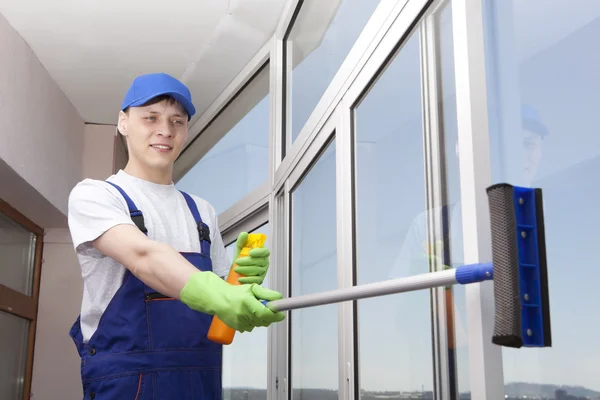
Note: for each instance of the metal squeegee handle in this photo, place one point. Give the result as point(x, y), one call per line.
point(464, 275)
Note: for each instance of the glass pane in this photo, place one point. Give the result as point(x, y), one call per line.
point(14, 335)
point(245, 359)
point(390, 172)
point(17, 256)
point(321, 38)
point(450, 213)
point(544, 79)
point(239, 162)
point(314, 337)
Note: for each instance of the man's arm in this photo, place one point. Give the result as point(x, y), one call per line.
point(100, 225)
point(156, 264)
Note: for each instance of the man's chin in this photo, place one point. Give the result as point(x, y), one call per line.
point(161, 164)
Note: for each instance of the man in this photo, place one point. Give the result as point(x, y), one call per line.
point(152, 261)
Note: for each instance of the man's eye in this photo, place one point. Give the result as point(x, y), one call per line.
point(151, 118)
point(178, 121)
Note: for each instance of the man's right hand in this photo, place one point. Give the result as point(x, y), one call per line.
point(238, 306)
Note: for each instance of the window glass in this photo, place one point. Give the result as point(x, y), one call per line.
point(390, 234)
point(239, 162)
point(245, 359)
point(314, 331)
point(17, 256)
point(543, 74)
point(317, 45)
point(13, 347)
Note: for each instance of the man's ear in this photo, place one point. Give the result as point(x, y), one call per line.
point(122, 123)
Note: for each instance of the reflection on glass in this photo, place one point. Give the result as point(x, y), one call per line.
point(314, 331)
point(14, 334)
point(17, 252)
point(395, 343)
point(543, 84)
point(237, 164)
point(321, 38)
point(245, 359)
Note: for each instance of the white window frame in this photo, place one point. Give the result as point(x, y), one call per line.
point(271, 201)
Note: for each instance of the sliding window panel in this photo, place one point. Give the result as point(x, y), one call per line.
point(230, 158)
point(17, 256)
point(543, 75)
point(319, 40)
point(14, 337)
point(394, 332)
point(245, 360)
point(314, 331)
point(450, 243)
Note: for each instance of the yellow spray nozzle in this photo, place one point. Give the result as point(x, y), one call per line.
point(254, 241)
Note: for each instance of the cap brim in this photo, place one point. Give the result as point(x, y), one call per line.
point(187, 105)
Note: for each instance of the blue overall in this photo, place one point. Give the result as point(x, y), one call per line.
point(148, 346)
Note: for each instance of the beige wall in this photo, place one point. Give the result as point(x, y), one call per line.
point(56, 370)
point(56, 365)
point(46, 149)
point(40, 132)
point(98, 151)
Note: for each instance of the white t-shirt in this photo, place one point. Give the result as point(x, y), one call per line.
point(96, 206)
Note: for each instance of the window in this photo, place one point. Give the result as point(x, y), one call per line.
point(543, 75)
point(390, 205)
point(321, 37)
point(245, 359)
point(236, 159)
point(314, 331)
point(20, 250)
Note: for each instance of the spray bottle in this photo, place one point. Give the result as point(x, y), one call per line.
point(219, 332)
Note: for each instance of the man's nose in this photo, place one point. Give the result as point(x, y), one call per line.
point(165, 129)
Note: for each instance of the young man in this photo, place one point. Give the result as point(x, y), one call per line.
point(152, 261)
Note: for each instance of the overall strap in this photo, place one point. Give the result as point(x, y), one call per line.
point(203, 229)
point(136, 215)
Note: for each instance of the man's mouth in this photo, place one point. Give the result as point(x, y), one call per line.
point(161, 147)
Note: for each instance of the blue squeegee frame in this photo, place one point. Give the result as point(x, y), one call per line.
point(530, 288)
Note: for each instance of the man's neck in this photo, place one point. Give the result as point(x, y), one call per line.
point(158, 176)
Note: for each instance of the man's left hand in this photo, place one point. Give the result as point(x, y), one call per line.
point(254, 267)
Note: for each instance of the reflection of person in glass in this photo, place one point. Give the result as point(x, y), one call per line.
point(535, 131)
point(416, 252)
point(411, 258)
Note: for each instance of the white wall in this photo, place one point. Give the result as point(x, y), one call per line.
point(40, 132)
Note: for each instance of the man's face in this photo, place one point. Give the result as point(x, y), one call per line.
point(155, 133)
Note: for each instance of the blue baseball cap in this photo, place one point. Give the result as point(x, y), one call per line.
point(532, 122)
point(146, 87)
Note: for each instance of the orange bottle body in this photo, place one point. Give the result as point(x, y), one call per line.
point(219, 332)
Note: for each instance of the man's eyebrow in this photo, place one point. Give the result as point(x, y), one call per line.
point(172, 115)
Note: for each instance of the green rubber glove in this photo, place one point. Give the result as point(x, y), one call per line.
point(239, 307)
point(255, 266)
point(439, 249)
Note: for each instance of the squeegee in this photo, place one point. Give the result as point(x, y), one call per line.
point(518, 270)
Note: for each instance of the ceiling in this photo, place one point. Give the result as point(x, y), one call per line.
point(93, 49)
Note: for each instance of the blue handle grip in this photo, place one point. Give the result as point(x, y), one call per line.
point(474, 273)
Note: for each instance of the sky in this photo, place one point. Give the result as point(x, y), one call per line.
point(556, 74)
